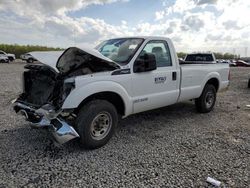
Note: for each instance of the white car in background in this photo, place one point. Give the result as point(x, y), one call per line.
point(4, 59)
point(28, 58)
point(11, 57)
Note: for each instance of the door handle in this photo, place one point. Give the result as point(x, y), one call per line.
point(174, 75)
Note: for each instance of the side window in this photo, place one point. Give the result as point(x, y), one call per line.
point(161, 51)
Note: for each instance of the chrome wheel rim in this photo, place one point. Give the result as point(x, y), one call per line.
point(101, 125)
point(209, 99)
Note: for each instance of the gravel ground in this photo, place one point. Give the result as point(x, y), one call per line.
point(168, 147)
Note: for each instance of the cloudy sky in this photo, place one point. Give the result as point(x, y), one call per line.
point(193, 25)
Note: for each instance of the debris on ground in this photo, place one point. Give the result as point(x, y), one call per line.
point(214, 182)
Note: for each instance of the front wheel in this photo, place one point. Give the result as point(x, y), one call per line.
point(205, 103)
point(96, 123)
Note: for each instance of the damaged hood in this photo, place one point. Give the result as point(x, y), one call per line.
point(73, 58)
point(48, 58)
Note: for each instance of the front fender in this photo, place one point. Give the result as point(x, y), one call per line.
point(77, 95)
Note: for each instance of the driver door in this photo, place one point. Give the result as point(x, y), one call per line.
point(156, 88)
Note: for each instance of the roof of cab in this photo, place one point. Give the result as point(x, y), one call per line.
point(144, 37)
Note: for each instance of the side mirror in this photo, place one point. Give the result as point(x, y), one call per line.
point(145, 63)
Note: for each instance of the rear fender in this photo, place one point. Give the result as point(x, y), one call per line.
point(209, 76)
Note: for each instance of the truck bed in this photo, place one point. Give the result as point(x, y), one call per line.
point(195, 76)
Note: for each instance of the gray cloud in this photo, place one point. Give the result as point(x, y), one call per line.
point(214, 37)
point(177, 39)
point(218, 38)
point(184, 27)
point(171, 27)
point(58, 28)
point(169, 30)
point(48, 7)
point(231, 24)
point(194, 22)
point(203, 2)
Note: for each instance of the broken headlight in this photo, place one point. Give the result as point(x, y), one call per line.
point(68, 86)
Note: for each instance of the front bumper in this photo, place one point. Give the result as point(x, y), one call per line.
point(46, 117)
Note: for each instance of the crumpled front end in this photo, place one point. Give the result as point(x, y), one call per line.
point(44, 91)
point(47, 117)
point(46, 86)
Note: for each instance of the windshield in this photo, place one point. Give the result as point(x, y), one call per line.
point(120, 50)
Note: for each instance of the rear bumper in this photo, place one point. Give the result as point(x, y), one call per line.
point(46, 117)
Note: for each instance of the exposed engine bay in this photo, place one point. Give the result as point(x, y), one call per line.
point(42, 84)
point(47, 84)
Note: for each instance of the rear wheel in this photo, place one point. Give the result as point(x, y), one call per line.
point(96, 123)
point(205, 103)
point(2, 61)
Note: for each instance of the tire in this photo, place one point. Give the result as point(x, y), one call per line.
point(2, 61)
point(249, 83)
point(30, 60)
point(11, 59)
point(205, 103)
point(91, 126)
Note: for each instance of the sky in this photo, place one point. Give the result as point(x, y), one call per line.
point(193, 25)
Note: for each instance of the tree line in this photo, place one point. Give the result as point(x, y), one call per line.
point(22, 49)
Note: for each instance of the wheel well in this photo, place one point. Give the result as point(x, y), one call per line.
point(111, 97)
point(214, 82)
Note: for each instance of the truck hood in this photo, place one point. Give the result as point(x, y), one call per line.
point(74, 58)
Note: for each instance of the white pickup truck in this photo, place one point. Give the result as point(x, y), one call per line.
point(80, 93)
